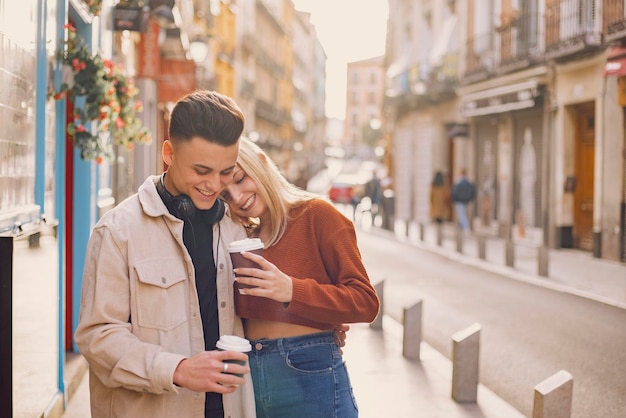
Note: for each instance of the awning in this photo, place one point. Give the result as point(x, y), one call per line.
point(501, 99)
point(616, 62)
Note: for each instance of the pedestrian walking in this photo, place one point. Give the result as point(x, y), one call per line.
point(463, 192)
point(439, 198)
point(297, 301)
point(375, 193)
point(157, 287)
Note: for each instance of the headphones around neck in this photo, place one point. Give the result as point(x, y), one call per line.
point(183, 208)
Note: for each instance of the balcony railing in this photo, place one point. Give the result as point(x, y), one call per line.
point(480, 58)
point(572, 28)
point(614, 18)
point(423, 85)
point(271, 113)
point(521, 42)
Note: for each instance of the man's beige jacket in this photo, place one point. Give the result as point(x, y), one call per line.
point(139, 314)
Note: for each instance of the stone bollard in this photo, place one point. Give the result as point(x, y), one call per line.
point(465, 361)
point(380, 291)
point(543, 261)
point(482, 246)
point(439, 227)
point(412, 332)
point(553, 396)
point(509, 253)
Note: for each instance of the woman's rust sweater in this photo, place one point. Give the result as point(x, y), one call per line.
point(330, 284)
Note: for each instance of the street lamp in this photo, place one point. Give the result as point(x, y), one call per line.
point(198, 49)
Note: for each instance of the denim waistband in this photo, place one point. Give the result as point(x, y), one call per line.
point(290, 343)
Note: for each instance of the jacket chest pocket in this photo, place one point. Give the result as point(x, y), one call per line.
point(161, 294)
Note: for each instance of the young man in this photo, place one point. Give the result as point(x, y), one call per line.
point(155, 297)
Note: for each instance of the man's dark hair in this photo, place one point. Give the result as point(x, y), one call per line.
point(209, 115)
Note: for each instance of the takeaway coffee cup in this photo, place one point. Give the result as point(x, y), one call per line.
point(251, 245)
point(234, 343)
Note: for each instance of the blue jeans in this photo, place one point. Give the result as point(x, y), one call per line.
point(301, 377)
point(461, 214)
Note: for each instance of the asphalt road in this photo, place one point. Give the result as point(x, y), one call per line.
point(528, 333)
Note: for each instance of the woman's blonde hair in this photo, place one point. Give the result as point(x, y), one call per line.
point(279, 194)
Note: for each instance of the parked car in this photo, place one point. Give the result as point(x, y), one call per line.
point(347, 189)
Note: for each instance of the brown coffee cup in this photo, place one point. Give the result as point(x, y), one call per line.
point(234, 343)
point(251, 245)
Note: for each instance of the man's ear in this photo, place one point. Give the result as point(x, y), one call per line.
point(167, 152)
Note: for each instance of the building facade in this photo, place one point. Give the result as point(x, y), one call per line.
point(278, 83)
point(536, 115)
point(421, 106)
point(365, 86)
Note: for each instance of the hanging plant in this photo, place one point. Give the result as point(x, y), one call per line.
point(109, 101)
point(94, 6)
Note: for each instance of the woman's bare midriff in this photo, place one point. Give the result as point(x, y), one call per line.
point(256, 329)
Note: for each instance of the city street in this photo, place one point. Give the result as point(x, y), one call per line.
point(528, 333)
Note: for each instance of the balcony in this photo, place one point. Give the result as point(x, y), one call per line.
point(422, 85)
point(480, 58)
point(519, 36)
point(271, 113)
point(614, 20)
point(572, 29)
point(246, 91)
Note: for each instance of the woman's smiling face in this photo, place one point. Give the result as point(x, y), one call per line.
point(242, 196)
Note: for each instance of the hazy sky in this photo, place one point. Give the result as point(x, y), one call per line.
point(349, 30)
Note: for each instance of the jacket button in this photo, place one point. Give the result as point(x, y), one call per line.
point(223, 304)
point(221, 266)
point(163, 280)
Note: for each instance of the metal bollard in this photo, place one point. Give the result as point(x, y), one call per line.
point(553, 396)
point(465, 360)
point(422, 231)
point(380, 291)
point(412, 332)
point(459, 240)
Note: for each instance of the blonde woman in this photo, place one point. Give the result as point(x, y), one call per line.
point(311, 280)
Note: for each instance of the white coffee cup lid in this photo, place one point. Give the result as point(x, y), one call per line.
point(233, 342)
point(247, 244)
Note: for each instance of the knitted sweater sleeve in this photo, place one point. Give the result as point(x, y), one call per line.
point(348, 296)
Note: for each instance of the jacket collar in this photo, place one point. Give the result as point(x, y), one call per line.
point(152, 203)
point(149, 198)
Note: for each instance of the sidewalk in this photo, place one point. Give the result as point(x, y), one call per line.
point(571, 271)
point(385, 383)
point(388, 385)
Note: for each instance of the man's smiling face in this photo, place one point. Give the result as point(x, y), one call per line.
point(199, 169)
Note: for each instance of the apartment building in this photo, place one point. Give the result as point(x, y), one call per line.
point(537, 116)
point(365, 86)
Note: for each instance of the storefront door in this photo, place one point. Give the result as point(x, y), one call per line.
point(584, 172)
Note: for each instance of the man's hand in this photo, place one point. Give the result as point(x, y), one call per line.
point(204, 372)
point(340, 335)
